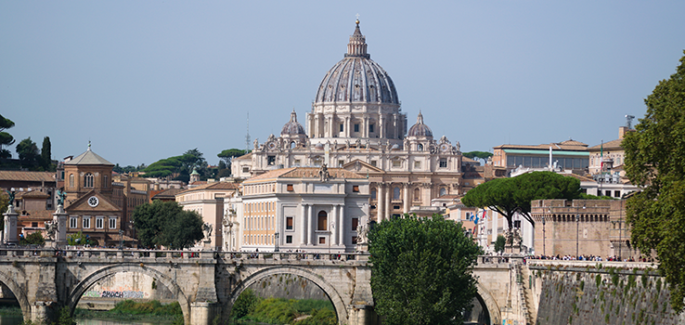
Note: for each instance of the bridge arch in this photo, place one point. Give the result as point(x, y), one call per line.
point(489, 303)
point(90, 280)
point(253, 278)
point(19, 294)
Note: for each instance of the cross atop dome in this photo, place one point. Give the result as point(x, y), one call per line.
point(357, 45)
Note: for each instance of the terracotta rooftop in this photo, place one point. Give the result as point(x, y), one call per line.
point(614, 144)
point(304, 172)
point(212, 186)
point(89, 158)
point(15, 175)
point(32, 195)
point(243, 157)
point(33, 215)
point(168, 193)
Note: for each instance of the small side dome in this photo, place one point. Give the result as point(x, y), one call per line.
point(419, 129)
point(292, 127)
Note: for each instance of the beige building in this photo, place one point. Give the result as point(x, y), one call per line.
point(298, 208)
point(356, 124)
point(596, 227)
point(208, 201)
point(567, 155)
point(608, 156)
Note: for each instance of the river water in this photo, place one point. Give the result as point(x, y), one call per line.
point(17, 320)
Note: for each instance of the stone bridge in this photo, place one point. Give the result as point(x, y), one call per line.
point(207, 283)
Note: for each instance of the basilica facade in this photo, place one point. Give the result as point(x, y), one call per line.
point(356, 124)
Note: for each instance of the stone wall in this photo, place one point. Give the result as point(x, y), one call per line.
point(288, 286)
point(129, 285)
point(601, 295)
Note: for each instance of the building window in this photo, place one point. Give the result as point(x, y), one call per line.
point(323, 221)
point(71, 180)
point(373, 194)
point(112, 223)
point(417, 164)
point(105, 182)
point(297, 162)
point(443, 162)
point(354, 240)
point(397, 163)
point(355, 188)
point(88, 180)
point(617, 193)
point(420, 147)
point(370, 127)
point(86, 222)
point(322, 240)
point(246, 169)
point(271, 160)
point(34, 224)
point(341, 163)
point(290, 187)
point(342, 127)
point(289, 223)
point(443, 191)
point(373, 163)
point(73, 222)
point(100, 222)
point(417, 194)
point(356, 127)
point(288, 239)
point(396, 193)
point(355, 224)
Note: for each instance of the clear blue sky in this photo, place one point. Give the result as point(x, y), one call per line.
point(145, 80)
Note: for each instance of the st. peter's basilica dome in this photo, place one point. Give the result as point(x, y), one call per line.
point(357, 78)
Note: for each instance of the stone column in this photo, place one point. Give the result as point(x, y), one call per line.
point(347, 127)
point(10, 233)
point(405, 208)
point(334, 218)
point(341, 227)
point(380, 199)
point(381, 126)
point(387, 201)
point(365, 131)
point(60, 219)
point(303, 225)
point(310, 229)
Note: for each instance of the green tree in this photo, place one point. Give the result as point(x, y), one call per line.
point(77, 239)
point(421, 270)
point(6, 139)
point(477, 154)
point(499, 243)
point(245, 304)
point(166, 224)
point(228, 154)
point(29, 156)
point(46, 155)
point(35, 238)
point(654, 161)
point(179, 166)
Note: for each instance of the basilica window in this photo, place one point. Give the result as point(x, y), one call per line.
point(373, 194)
point(356, 127)
point(396, 193)
point(342, 127)
point(397, 163)
point(271, 160)
point(355, 224)
point(88, 180)
point(417, 164)
point(443, 162)
point(417, 194)
point(419, 147)
point(373, 163)
point(355, 188)
point(292, 145)
point(297, 162)
point(443, 191)
point(370, 127)
point(289, 223)
point(323, 221)
point(246, 169)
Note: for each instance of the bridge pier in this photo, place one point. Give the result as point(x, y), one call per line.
point(203, 313)
point(43, 312)
point(362, 315)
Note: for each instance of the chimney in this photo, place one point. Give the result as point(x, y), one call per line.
point(622, 132)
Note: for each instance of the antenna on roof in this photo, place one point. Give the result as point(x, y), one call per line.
point(629, 121)
point(247, 136)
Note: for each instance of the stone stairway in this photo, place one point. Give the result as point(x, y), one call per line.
point(528, 295)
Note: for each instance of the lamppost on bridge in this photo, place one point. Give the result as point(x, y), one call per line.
point(577, 224)
point(121, 239)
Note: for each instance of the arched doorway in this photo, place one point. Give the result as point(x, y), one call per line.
point(488, 304)
point(18, 294)
point(77, 292)
point(332, 294)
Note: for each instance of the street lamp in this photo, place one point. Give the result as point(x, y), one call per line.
point(276, 249)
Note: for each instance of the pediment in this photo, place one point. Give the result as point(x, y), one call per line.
point(103, 203)
point(361, 167)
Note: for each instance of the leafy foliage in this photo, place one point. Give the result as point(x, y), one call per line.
point(654, 159)
point(509, 196)
point(421, 271)
point(178, 166)
point(245, 304)
point(29, 155)
point(5, 138)
point(46, 155)
point(499, 243)
point(35, 238)
point(166, 223)
point(80, 239)
point(227, 154)
point(477, 154)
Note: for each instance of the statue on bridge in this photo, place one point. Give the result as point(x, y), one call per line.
point(11, 195)
point(60, 197)
point(207, 229)
point(51, 229)
point(363, 230)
